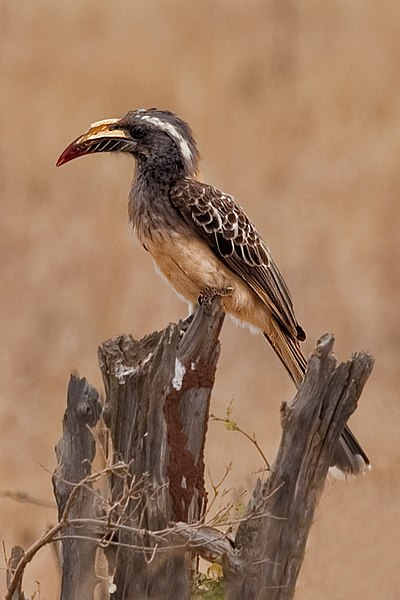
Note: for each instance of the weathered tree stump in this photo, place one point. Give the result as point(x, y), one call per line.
point(149, 521)
point(157, 404)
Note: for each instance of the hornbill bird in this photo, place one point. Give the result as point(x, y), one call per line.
point(202, 241)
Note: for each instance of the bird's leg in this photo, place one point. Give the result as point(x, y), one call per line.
point(208, 293)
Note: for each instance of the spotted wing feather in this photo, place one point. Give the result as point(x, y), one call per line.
point(228, 231)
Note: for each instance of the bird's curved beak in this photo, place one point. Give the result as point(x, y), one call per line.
point(101, 137)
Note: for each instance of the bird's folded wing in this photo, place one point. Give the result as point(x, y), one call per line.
point(225, 227)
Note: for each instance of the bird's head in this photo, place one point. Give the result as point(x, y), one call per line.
point(154, 137)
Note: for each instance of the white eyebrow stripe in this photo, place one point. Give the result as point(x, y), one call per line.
point(169, 128)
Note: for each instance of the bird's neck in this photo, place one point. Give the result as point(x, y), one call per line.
point(162, 170)
point(149, 204)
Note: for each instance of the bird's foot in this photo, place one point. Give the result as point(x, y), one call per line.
point(207, 294)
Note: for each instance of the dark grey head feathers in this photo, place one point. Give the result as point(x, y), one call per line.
point(161, 137)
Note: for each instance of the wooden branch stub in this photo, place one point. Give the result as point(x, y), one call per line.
point(76, 449)
point(270, 542)
point(75, 452)
point(157, 403)
point(17, 554)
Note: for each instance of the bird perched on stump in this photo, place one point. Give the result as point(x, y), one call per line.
point(201, 240)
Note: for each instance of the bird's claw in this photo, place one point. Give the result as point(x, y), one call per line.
point(207, 294)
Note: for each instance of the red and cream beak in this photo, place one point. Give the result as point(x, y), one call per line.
point(102, 136)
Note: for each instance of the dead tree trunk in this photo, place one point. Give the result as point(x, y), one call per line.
point(270, 542)
point(157, 404)
point(75, 452)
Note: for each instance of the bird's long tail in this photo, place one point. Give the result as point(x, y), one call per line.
point(349, 458)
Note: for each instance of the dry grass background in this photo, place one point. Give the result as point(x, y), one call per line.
point(296, 107)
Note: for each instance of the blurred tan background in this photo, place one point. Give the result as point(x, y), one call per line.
point(296, 108)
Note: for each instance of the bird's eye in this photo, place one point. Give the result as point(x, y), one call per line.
point(138, 132)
